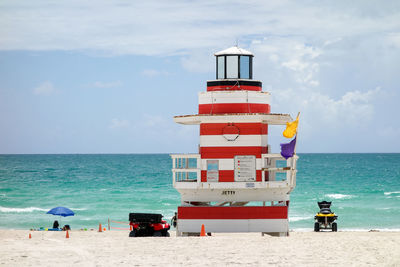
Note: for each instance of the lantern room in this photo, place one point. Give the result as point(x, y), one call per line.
point(234, 63)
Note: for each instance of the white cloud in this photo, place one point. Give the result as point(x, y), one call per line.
point(119, 123)
point(176, 27)
point(113, 84)
point(320, 112)
point(323, 59)
point(298, 61)
point(301, 77)
point(332, 41)
point(45, 88)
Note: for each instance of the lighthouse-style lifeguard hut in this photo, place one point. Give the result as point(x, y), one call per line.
point(234, 183)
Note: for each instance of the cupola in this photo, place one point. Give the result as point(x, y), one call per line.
point(234, 63)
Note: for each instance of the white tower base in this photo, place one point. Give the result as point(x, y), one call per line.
point(265, 219)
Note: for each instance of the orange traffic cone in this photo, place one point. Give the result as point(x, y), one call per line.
point(100, 230)
point(67, 235)
point(203, 231)
point(30, 236)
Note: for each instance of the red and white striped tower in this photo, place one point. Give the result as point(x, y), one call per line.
point(234, 183)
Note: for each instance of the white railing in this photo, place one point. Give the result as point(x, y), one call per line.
point(186, 168)
point(270, 164)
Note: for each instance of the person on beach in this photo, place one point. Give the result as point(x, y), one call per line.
point(55, 224)
point(174, 220)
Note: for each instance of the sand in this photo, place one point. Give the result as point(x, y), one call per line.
point(115, 248)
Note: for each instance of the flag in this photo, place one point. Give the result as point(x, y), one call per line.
point(287, 149)
point(291, 128)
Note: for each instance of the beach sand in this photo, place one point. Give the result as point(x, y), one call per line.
point(115, 248)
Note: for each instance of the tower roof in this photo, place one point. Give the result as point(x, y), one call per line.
point(234, 50)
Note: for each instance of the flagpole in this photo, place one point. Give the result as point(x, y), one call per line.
point(293, 164)
point(297, 131)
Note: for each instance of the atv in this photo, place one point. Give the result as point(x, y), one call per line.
point(325, 218)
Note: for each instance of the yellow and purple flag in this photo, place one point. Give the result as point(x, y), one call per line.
point(291, 128)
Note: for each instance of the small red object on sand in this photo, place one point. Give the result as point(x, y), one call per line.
point(203, 231)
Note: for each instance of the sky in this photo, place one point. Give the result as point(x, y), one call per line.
point(108, 76)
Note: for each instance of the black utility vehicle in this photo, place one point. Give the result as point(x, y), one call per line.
point(148, 224)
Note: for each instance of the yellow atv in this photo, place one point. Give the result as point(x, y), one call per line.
point(325, 218)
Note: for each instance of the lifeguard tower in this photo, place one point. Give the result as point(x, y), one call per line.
point(234, 183)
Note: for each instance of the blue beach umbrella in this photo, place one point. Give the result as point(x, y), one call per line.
point(61, 211)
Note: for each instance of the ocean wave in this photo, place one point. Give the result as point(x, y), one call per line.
point(30, 209)
point(19, 210)
point(370, 229)
point(391, 193)
point(86, 219)
point(339, 196)
point(294, 229)
point(383, 208)
point(299, 218)
point(77, 209)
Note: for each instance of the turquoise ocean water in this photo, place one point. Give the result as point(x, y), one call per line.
point(364, 188)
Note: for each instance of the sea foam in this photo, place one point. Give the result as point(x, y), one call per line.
point(74, 209)
point(19, 210)
point(339, 196)
point(392, 193)
point(299, 218)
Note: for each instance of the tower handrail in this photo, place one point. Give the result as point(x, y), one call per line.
point(181, 168)
point(289, 169)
